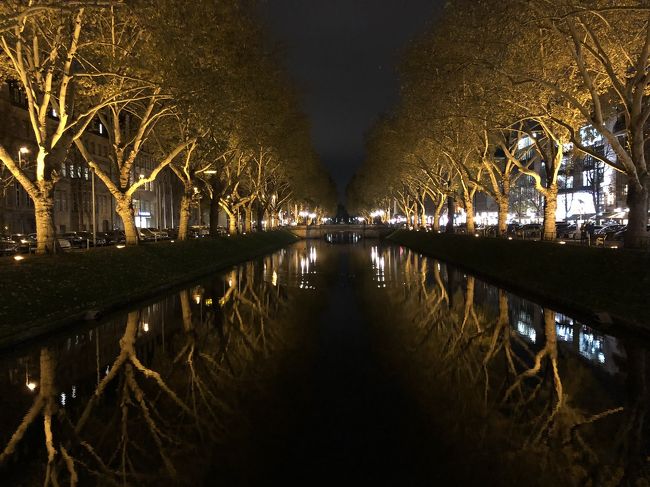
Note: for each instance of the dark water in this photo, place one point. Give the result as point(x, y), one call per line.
point(337, 362)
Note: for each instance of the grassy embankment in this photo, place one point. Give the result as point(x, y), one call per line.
point(44, 293)
point(585, 281)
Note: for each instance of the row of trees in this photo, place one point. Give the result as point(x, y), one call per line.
point(200, 90)
point(498, 90)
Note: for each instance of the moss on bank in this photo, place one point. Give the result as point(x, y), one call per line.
point(44, 293)
point(585, 281)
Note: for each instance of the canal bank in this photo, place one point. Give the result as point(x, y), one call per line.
point(42, 294)
point(608, 287)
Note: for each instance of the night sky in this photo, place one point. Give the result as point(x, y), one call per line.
point(342, 55)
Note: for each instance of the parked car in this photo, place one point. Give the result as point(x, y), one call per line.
point(74, 238)
point(87, 238)
point(8, 247)
point(146, 235)
point(26, 243)
point(114, 237)
point(620, 235)
point(197, 231)
point(159, 234)
point(570, 232)
point(171, 232)
point(512, 228)
point(608, 231)
point(530, 230)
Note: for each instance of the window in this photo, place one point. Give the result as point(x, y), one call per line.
point(100, 128)
point(17, 94)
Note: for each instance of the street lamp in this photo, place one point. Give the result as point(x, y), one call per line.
point(92, 171)
point(22, 151)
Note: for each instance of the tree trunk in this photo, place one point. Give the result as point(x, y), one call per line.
point(45, 233)
point(248, 218)
point(469, 214)
point(260, 218)
point(436, 213)
point(550, 209)
point(407, 214)
point(214, 216)
point(232, 223)
point(124, 208)
point(186, 311)
point(184, 215)
point(451, 211)
point(502, 225)
point(636, 235)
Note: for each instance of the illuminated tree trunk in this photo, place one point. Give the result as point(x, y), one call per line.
point(232, 223)
point(636, 236)
point(184, 215)
point(503, 216)
point(550, 209)
point(45, 232)
point(416, 216)
point(469, 213)
point(436, 213)
point(124, 208)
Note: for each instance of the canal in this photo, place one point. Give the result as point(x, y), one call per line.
point(329, 362)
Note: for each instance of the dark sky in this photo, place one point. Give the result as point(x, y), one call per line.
point(342, 54)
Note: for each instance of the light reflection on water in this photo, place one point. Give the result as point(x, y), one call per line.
point(131, 397)
point(568, 392)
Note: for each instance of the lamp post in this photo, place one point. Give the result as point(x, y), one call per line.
point(92, 186)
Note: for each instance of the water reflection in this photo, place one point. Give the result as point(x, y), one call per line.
point(127, 402)
point(155, 396)
point(520, 376)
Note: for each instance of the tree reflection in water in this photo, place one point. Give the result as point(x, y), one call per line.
point(148, 412)
point(511, 396)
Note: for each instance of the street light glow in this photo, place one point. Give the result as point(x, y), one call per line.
point(24, 150)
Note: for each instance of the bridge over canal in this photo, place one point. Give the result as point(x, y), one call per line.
point(321, 231)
